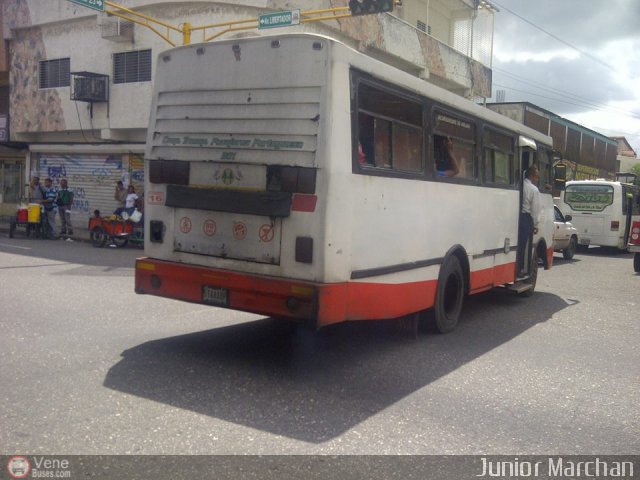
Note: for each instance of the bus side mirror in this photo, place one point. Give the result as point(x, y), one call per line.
point(568, 218)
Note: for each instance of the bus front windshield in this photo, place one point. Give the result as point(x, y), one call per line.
point(588, 198)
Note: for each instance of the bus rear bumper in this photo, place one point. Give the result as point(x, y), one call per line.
point(319, 304)
point(222, 288)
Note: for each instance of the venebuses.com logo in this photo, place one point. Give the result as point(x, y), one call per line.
point(38, 467)
point(18, 467)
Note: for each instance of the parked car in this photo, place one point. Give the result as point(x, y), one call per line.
point(565, 235)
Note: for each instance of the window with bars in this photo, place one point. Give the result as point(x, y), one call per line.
point(129, 67)
point(424, 27)
point(55, 73)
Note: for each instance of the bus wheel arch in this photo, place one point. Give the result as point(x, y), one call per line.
point(453, 285)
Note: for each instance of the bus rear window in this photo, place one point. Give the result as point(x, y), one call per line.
point(588, 198)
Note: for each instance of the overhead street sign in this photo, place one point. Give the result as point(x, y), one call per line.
point(279, 19)
point(95, 4)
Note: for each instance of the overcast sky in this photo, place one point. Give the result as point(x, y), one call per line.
point(596, 84)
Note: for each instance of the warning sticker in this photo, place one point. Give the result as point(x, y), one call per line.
point(209, 227)
point(185, 225)
point(239, 230)
point(155, 198)
point(266, 233)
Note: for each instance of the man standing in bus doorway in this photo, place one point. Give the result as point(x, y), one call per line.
point(529, 214)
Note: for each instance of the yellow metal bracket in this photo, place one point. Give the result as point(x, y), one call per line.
point(164, 29)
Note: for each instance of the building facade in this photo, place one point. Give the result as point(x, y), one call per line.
point(587, 154)
point(627, 157)
point(78, 82)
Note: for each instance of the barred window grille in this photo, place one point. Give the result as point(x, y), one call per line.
point(129, 67)
point(423, 27)
point(55, 73)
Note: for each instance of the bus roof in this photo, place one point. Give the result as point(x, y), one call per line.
point(396, 76)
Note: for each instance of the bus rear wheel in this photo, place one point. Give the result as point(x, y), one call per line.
point(449, 295)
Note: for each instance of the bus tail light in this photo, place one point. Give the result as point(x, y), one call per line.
point(615, 225)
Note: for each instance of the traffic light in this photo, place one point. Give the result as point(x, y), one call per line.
point(367, 7)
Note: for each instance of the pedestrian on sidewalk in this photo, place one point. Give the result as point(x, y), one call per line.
point(36, 191)
point(64, 200)
point(49, 203)
point(120, 195)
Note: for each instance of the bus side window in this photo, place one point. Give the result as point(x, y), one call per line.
point(390, 132)
point(445, 159)
point(382, 143)
point(365, 139)
point(453, 146)
point(498, 157)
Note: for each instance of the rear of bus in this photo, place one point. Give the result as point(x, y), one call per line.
point(235, 212)
point(596, 208)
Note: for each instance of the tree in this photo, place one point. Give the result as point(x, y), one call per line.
point(636, 169)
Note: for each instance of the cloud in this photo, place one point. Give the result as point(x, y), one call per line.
point(595, 83)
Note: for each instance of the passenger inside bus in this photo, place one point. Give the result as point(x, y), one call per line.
point(365, 139)
point(446, 162)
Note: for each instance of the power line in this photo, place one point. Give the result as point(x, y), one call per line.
point(555, 37)
point(582, 101)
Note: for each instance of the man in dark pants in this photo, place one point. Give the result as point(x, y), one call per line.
point(64, 202)
point(529, 214)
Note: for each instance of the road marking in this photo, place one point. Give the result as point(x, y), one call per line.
point(14, 246)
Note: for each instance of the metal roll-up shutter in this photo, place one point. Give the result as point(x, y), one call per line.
point(91, 178)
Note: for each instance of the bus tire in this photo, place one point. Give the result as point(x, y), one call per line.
point(449, 295)
point(570, 251)
point(533, 274)
point(636, 262)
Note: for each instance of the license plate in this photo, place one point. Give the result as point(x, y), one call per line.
point(584, 241)
point(215, 295)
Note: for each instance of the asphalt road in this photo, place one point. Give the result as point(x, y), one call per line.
point(89, 367)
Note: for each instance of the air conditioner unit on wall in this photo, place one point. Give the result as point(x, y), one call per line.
point(115, 29)
point(89, 87)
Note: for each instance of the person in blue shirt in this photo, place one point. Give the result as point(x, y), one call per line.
point(49, 204)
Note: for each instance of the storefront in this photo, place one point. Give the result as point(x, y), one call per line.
point(91, 176)
point(12, 179)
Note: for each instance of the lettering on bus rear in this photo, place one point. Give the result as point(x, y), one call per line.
point(588, 198)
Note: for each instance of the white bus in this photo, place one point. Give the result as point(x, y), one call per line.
point(601, 210)
point(292, 176)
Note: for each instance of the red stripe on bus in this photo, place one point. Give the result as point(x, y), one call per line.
point(482, 280)
point(326, 303)
point(304, 203)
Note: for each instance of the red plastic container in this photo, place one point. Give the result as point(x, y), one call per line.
point(22, 216)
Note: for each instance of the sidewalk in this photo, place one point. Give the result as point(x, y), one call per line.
point(79, 234)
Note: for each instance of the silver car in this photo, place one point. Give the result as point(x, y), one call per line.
point(565, 235)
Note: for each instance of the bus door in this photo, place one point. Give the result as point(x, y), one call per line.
point(523, 256)
point(631, 200)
